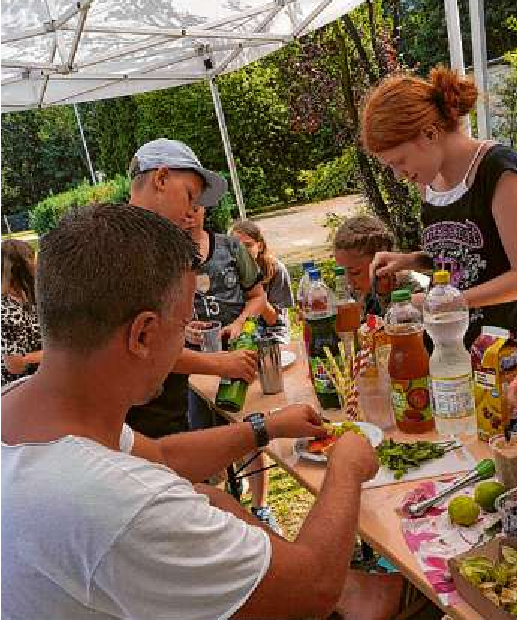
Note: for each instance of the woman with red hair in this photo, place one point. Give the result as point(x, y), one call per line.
point(469, 190)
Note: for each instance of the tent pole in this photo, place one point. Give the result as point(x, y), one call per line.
point(478, 34)
point(94, 178)
point(455, 44)
point(227, 146)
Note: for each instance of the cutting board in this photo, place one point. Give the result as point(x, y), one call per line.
point(450, 463)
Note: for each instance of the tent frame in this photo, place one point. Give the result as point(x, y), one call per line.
point(68, 69)
point(478, 34)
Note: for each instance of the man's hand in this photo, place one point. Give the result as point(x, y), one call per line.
point(356, 453)
point(233, 330)
point(239, 364)
point(295, 421)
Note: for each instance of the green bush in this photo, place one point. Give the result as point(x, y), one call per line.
point(220, 218)
point(46, 214)
point(330, 179)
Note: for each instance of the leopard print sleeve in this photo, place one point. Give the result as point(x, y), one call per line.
point(15, 327)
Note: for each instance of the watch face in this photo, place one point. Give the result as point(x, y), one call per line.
point(254, 416)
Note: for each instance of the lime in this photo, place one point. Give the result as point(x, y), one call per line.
point(486, 493)
point(463, 510)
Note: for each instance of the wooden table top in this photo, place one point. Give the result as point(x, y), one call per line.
point(379, 525)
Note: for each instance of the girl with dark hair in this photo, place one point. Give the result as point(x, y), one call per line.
point(469, 188)
point(276, 280)
point(21, 339)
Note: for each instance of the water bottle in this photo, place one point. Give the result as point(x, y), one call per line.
point(303, 287)
point(446, 319)
point(301, 302)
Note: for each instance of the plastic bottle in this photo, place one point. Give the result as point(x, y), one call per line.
point(446, 319)
point(408, 365)
point(303, 287)
point(301, 302)
point(348, 319)
point(321, 318)
point(231, 393)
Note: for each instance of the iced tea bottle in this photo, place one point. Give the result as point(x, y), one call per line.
point(348, 319)
point(408, 365)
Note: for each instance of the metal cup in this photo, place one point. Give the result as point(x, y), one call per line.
point(270, 365)
point(210, 337)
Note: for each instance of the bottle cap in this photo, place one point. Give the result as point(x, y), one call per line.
point(441, 277)
point(314, 274)
point(308, 265)
point(402, 294)
point(339, 271)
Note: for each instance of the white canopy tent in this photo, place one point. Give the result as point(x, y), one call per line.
point(58, 52)
point(64, 52)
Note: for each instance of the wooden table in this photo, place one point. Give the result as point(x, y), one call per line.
point(379, 525)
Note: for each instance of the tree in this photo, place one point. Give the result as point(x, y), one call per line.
point(20, 160)
point(42, 154)
point(113, 125)
point(507, 92)
point(330, 75)
point(423, 31)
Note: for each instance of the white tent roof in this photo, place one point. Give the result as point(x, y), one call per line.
point(64, 51)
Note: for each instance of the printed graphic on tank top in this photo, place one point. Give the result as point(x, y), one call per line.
point(461, 235)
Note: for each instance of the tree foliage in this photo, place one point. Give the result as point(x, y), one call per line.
point(42, 154)
point(423, 32)
point(291, 116)
point(333, 70)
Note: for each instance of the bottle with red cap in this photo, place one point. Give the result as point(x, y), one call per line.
point(321, 319)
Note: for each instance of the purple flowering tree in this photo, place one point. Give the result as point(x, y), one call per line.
point(328, 73)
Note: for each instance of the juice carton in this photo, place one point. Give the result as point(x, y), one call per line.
point(494, 362)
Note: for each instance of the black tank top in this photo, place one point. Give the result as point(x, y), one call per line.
point(463, 238)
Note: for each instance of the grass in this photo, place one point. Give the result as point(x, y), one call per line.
point(289, 501)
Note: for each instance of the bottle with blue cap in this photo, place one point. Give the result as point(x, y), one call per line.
point(303, 286)
point(321, 319)
point(301, 300)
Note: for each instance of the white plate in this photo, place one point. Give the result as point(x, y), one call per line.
point(287, 358)
point(374, 434)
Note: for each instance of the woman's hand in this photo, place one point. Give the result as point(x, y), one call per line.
point(389, 263)
point(417, 299)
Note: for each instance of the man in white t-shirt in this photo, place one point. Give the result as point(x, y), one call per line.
point(98, 522)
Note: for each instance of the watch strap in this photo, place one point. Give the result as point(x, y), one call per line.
point(258, 424)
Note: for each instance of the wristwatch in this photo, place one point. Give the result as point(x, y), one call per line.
point(258, 424)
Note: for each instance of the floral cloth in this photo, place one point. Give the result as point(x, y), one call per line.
point(433, 539)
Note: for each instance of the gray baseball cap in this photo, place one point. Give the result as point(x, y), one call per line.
point(163, 153)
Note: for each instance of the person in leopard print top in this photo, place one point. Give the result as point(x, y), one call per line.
point(21, 338)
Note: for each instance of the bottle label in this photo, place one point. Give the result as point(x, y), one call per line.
point(453, 397)
point(411, 399)
point(320, 375)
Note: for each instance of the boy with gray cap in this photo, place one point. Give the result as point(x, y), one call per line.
point(168, 179)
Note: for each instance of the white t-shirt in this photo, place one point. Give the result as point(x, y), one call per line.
point(88, 532)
